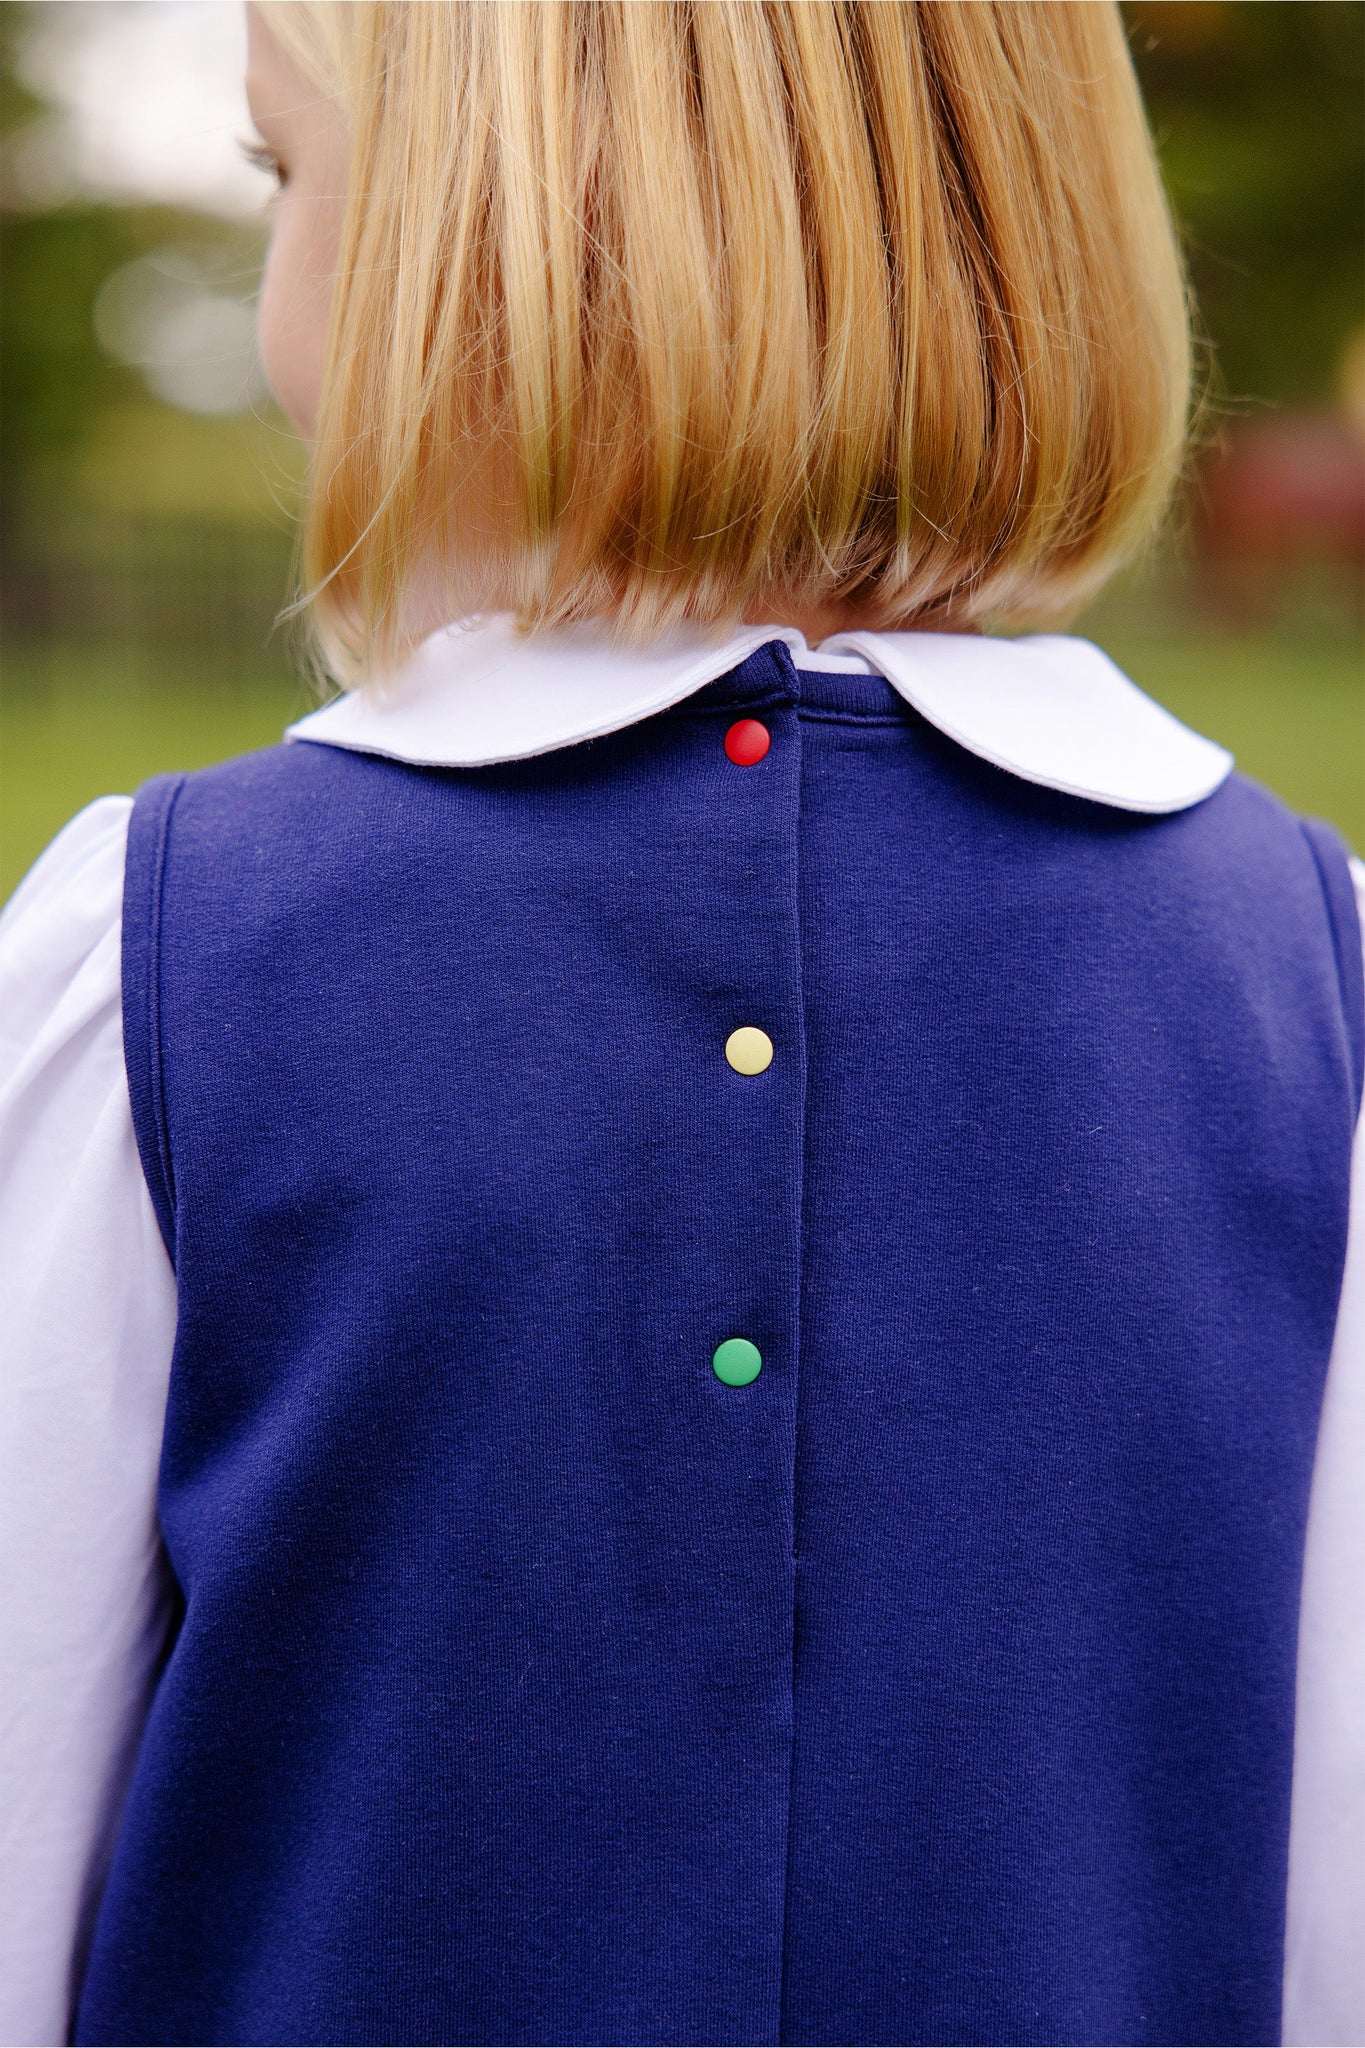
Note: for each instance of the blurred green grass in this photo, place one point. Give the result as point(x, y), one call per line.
point(75, 725)
point(1292, 711)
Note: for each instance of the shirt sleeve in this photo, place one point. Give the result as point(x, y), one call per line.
point(89, 1327)
point(1324, 1977)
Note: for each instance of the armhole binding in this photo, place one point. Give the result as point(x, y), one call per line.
point(144, 877)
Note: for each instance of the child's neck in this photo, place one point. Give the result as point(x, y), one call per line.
point(819, 622)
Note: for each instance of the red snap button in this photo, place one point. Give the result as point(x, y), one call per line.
point(746, 742)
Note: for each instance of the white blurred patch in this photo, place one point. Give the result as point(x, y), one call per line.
point(147, 103)
point(194, 343)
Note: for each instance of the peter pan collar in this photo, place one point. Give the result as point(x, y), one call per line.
point(1049, 709)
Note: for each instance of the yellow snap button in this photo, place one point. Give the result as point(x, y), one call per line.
point(749, 1050)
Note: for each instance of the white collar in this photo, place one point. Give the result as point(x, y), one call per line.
point(1049, 709)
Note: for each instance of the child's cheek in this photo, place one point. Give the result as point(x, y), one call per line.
point(296, 293)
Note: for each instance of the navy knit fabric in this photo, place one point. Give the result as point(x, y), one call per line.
point(532, 1685)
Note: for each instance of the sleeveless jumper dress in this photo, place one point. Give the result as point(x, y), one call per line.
point(532, 1684)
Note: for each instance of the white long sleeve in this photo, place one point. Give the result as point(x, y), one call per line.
point(89, 1323)
point(1324, 1971)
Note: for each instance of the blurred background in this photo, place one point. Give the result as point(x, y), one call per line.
point(148, 490)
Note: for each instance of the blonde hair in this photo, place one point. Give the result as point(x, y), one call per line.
point(874, 301)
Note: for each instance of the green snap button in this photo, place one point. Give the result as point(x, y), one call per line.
point(737, 1361)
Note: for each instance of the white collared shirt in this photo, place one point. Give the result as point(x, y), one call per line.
point(90, 1297)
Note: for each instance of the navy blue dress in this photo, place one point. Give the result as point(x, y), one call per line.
point(535, 1686)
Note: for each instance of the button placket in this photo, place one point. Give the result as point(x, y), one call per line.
point(749, 1051)
point(746, 1051)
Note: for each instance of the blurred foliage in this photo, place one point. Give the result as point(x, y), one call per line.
point(55, 377)
point(1258, 107)
point(72, 417)
point(135, 535)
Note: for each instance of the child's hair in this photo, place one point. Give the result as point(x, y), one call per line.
point(859, 299)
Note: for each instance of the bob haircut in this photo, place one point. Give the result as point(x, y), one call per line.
point(707, 306)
